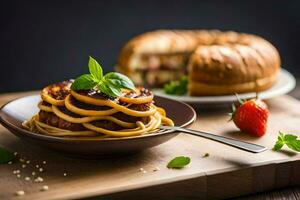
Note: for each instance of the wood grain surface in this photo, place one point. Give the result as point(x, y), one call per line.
point(226, 173)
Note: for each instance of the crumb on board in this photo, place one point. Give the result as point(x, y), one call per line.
point(205, 155)
point(38, 179)
point(156, 169)
point(45, 188)
point(20, 193)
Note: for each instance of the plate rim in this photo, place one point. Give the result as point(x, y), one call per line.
point(31, 134)
point(217, 100)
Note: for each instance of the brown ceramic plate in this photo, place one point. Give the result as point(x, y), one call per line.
point(15, 112)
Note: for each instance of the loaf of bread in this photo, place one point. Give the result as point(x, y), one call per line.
point(216, 62)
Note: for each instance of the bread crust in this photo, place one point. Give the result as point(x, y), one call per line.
point(225, 59)
point(205, 89)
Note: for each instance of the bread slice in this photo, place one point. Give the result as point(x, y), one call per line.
point(216, 62)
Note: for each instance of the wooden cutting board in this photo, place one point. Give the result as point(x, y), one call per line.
point(227, 172)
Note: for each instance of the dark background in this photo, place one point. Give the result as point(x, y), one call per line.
point(43, 42)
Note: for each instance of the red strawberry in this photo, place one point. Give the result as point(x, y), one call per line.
point(251, 116)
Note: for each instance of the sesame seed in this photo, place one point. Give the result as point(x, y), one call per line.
point(20, 193)
point(27, 178)
point(18, 171)
point(144, 171)
point(33, 173)
point(18, 176)
point(10, 162)
point(15, 172)
point(23, 166)
point(37, 166)
point(44, 162)
point(141, 169)
point(45, 188)
point(41, 169)
point(65, 174)
point(28, 161)
point(21, 160)
point(15, 153)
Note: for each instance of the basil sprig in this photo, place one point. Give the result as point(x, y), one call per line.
point(289, 140)
point(110, 84)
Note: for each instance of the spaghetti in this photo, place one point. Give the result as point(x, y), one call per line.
point(90, 113)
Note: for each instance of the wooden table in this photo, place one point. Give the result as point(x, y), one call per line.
point(292, 193)
point(82, 175)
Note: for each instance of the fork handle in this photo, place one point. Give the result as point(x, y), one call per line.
point(254, 148)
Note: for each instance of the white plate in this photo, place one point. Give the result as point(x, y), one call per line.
point(284, 84)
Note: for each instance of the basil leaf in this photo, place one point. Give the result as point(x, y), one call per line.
point(278, 145)
point(177, 87)
point(110, 91)
point(116, 91)
point(114, 83)
point(83, 82)
point(103, 88)
point(5, 156)
point(119, 80)
point(288, 139)
point(281, 137)
point(179, 162)
point(294, 145)
point(95, 69)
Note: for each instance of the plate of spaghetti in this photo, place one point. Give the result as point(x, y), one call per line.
point(95, 115)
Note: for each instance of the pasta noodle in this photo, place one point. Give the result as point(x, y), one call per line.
point(67, 113)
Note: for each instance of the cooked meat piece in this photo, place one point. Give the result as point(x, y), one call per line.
point(95, 94)
point(70, 126)
point(53, 120)
point(86, 106)
point(143, 93)
point(140, 107)
point(60, 90)
point(157, 78)
point(45, 103)
point(164, 61)
point(133, 119)
point(109, 125)
point(48, 118)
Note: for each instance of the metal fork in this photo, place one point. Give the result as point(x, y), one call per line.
point(246, 146)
